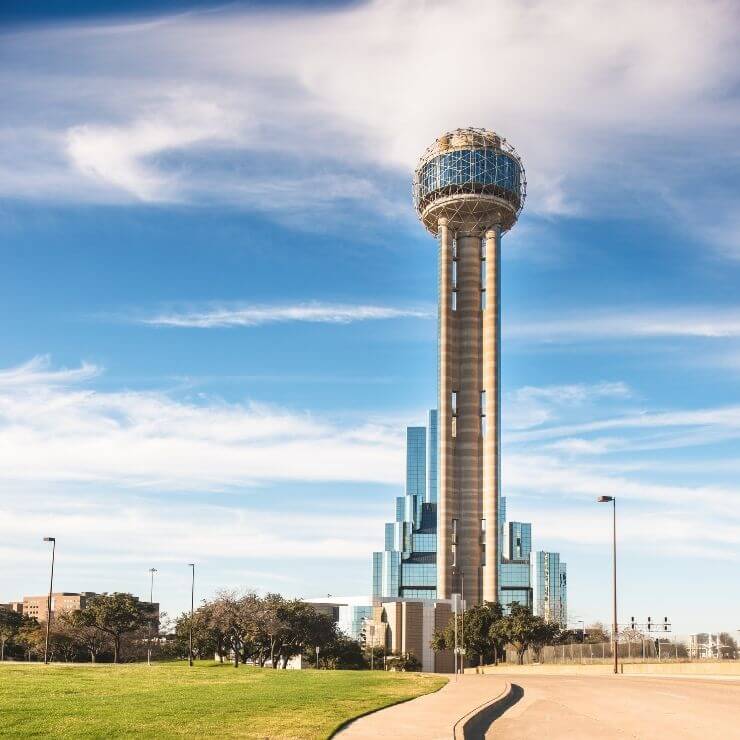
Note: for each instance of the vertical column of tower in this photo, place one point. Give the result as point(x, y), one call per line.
point(446, 358)
point(492, 387)
point(468, 470)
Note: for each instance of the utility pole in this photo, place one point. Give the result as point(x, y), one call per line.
point(192, 605)
point(48, 601)
point(152, 571)
point(462, 623)
point(455, 602)
point(615, 626)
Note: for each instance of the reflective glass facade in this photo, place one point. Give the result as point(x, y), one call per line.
point(407, 566)
point(416, 461)
point(432, 441)
point(517, 540)
point(470, 170)
point(550, 587)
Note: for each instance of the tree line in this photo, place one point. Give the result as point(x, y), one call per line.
point(484, 632)
point(269, 630)
point(108, 625)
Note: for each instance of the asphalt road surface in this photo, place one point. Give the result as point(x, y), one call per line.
point(604, 707)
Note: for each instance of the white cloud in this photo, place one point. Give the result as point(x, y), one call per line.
point(604, 100)
point(136, 529)
point(119, 156)
point(51, 432)
point(323, 313)
point(532, 406)
point(38, 372)
point(723, 420)
point(631, 323)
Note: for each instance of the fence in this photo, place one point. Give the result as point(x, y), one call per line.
point(634, 651)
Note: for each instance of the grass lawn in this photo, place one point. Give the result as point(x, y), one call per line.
point(172, 700)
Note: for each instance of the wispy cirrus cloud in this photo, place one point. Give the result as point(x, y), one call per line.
point(38, 371)
point(630, 323)
point(53, 428)
point(313, 312)
point(532, 406)
point(582, 85)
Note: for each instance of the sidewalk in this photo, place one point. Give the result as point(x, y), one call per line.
point(431, 716)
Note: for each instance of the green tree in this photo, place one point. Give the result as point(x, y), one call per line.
point(115, 615)
point(208, 639)
point(85, 636)
point(521, 629)
point(727, 645)
point(342, 652)
point(10, 623)
point(30, 637)
point(303, 627)
point(403, 662)
point(474, 633)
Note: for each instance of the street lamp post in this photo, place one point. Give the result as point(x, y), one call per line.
point(615, 627)
point(152, 571)
point(462, 622)
point(455, 600)
point(53, 541)
point(192, 605)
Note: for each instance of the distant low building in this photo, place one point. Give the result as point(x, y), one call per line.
point(349, 612)
point(36, 607)
point(13, 606)
point(62, 601)
point(407, 626)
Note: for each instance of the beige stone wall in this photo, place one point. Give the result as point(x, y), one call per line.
point(412, 628)
point(443, 660)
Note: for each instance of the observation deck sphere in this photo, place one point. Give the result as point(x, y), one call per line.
point(473, 177)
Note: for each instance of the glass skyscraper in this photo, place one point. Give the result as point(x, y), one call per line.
point(406, 568)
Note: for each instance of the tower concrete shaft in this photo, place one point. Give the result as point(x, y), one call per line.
point(469, 411)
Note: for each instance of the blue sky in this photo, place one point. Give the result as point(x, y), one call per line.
point(218, 307)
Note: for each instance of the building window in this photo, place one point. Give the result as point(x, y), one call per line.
point(454, 275)
point(453, 403)
point(483, 425)
point(483, 275)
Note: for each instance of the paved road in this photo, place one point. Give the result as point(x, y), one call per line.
point(430, 717)
point(605, 707)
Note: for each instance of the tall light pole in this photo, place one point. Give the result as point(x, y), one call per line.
point(53, 541)
point(615, 627)
point(462, 623)
point(152, 571)
point(192, 606)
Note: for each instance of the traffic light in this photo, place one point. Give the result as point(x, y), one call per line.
point(650, 623)
point(632, 623)
point(665, 624)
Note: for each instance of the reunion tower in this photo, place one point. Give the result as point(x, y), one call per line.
point(469, 188)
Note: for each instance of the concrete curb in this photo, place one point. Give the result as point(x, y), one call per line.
point(462, 727)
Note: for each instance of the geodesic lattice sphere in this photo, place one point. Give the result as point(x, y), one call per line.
point(473, 177)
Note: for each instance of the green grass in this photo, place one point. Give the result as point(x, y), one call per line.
point(172, 700)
